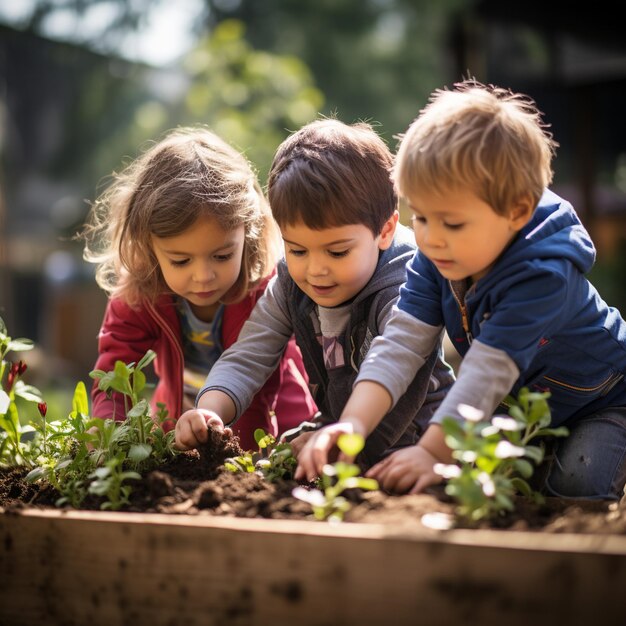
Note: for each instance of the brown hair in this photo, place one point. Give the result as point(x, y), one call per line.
point(191, 173)
point(484, 138)
point(332, 174)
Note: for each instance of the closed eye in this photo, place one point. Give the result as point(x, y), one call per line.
point(454, 226)
point(337, 254)
point(179, 262)
point(223, 258)
point(296, 252)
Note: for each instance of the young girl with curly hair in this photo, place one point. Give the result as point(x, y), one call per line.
point(185, 244)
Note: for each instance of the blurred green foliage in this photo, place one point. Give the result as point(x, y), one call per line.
point(250, 98)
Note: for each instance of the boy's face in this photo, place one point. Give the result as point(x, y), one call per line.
point(460, 233)
point(333, 264)
point(201, 264)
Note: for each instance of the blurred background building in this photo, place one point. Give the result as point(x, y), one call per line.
point(84, 86)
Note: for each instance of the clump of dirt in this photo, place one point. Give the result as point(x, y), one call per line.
point(196, 483)
point(220, 446)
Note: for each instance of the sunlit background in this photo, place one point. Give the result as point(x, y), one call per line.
point(85, 84)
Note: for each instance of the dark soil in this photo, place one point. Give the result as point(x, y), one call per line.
point(196, 483)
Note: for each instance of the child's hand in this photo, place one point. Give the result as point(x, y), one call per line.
point(314, 454)
point(192, 428)
point(409, 469)
point(297, 443)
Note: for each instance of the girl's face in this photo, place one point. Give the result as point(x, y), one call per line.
point(201, 264)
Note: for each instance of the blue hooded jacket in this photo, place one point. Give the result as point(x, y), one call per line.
point(537, 306)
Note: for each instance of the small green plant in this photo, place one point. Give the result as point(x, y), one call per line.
point(109, 481)
point(327, 502)
point(81, 455)
point(496, 458)
point(14, 449)
point(273, 461)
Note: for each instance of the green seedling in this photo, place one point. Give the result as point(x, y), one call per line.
point(81, 455)
point(274, 460)
point(109, 481)
point(328, 503)
point(496, 458)
point(14, 449)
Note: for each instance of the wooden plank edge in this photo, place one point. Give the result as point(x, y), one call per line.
point(523, 540)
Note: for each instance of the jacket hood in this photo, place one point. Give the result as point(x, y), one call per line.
point(554, 232)
point(399, 253)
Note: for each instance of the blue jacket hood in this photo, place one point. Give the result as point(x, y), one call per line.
point(554, 231)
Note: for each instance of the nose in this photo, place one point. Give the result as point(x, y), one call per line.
point(431, 235)
point(317, 265)
point(203, 272)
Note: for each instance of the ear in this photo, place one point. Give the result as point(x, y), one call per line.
point(521, 212)
point(389, 229)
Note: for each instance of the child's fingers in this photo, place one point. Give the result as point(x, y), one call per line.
point(306, 466)
point(377, 471)
point(321, 444)
point(185, 438)
point(191, 431)
point(425, 480)
point(214, 422)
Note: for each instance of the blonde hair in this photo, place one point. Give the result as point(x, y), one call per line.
point(191, 173)
point(484, 138)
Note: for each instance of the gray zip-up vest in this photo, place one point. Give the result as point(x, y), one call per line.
point(405, 423)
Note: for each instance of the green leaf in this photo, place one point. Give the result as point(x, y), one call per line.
point(146, 359)
point(122, 370)
point(139, 452)
point(351, 443)
point(20, 345)
point(139, 382)
point(523, 467)
point(345, 470)
point(535, 453)
point(35, 474)
point(80, 403)
point(364, 483)
point(263, 439)
point(452, 427)
point(522, 487)
point(106, 380)
point(27, 392)
point(4, 401)
point(517, 413)
point(561, 431)
point(141, 408)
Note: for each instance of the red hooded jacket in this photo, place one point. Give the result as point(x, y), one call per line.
point(128, 333)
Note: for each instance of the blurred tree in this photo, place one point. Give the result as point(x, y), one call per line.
point(121, 15)
point(373, 59)
point(252, 98)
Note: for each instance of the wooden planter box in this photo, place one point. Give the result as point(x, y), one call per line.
point(86, 569)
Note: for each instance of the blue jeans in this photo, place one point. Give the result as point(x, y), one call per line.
point(590, 463)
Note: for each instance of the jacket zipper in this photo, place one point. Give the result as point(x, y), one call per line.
point(464, 316)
